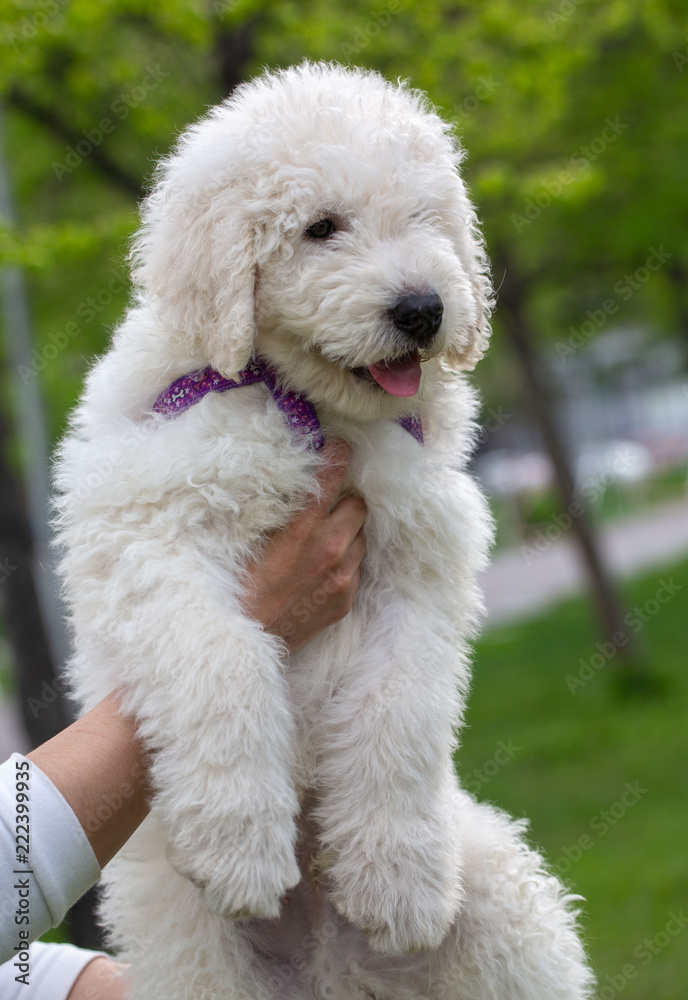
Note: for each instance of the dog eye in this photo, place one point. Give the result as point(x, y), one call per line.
point(321, 230)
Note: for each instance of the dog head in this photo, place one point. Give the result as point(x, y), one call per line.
point(318, 218)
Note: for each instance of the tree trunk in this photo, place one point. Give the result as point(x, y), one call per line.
point(233, 52)
point(607, 604)
point(42, 708)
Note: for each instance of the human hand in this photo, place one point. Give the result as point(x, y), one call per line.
point(307, 575)
point(101, 979)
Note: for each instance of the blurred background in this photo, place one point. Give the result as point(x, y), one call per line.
point(575, 117)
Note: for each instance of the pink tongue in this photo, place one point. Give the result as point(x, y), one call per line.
point(400, 377)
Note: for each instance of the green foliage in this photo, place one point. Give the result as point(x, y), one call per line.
point(567, 760)
point(96, 91)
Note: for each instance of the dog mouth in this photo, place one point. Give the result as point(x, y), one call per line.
point(400, 377)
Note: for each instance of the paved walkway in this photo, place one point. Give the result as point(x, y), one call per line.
point(524, 580)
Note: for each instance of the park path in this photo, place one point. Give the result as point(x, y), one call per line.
point(522, 582)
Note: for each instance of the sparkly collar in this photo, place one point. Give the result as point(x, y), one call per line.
point(298, 411)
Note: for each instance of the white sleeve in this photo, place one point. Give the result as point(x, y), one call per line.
point(53, 970)
point(38, 884)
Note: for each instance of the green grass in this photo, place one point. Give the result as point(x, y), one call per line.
point(576, 753)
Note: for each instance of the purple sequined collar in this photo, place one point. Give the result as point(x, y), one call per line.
point(298, 411)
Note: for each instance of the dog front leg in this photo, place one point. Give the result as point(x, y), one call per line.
point(206, 684)
point(385, 779)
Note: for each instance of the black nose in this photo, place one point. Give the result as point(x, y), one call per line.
point(418, 316)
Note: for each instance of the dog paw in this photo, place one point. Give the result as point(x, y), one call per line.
point(247, 875)
point(402, 908)
point(248, 894)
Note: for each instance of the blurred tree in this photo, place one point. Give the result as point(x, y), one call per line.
point(532, 90)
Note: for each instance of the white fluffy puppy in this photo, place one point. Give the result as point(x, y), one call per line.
point(308, 837)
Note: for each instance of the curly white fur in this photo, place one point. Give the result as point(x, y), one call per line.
point(313, 798)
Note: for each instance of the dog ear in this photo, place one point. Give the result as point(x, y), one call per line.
point(465, 352)
point(194, 259)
